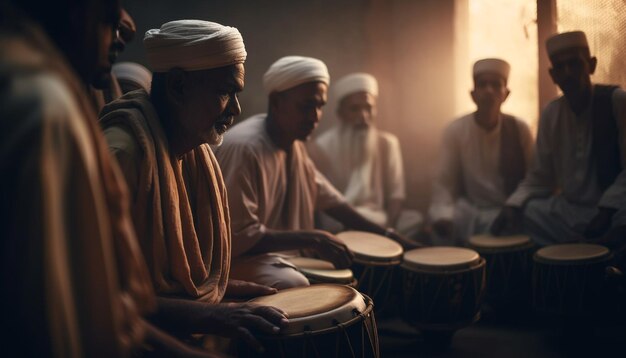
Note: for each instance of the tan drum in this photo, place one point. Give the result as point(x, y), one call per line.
point(569, 279)
point(509, 268)
point(375, 259)
point(320, 271)
point(443, 287)
point(325, 320)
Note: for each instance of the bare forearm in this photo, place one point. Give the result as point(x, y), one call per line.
point(394, 208)
point(182, 316)
point(352, 219)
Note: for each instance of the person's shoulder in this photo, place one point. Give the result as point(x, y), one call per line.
point(388, 137)
point(518, 121)
point(246, 133)
point(458, 125)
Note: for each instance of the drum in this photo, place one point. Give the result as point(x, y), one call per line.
point(376, 258)
point(569, 279)
point(325, 320)
point(509, 269)
point(320, 271)
point(443, 287)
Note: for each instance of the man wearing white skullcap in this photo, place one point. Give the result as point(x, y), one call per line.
point(484, 155)
point(362, 161)
point(274, 187)
point(179, 205)
point(576, 188)
point(132, 76)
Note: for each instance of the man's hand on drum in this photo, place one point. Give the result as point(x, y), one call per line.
point(407, 244)
point(600, 224)
point(244, 289)
point(243, 320)
point(331, 248)
point(509, 221)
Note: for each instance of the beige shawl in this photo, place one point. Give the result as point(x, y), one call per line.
point(180, 210)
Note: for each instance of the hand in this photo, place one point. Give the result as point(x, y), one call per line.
point(240, 320)
point(331, 248)
point(508, 221)
point(239, 289)
point(600, 223)
point(407, 244)
point(443, 228)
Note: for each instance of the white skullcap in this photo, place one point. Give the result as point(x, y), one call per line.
point(355, 82)
point(291, 71)
point(133, 72)
point(492, 65)
point(193, 45)
point(566, 40)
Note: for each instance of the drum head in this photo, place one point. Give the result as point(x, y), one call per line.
point(440, 258)
point(316, 307)
point(321, 270)
point(371, 247)
point(499, 242)
point(572, 253)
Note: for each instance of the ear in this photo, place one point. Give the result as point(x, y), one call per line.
point(552, 74)
point(175, 86)
point(593, 63)
point(506, 94)
point(473, 95)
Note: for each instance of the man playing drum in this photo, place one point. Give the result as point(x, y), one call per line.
point(576, 185)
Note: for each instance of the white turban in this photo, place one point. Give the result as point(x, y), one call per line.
point(492, 65)
point(193, 45)
point(353, 83)
point(291, 71)
point(566, 40)
point(133, 72)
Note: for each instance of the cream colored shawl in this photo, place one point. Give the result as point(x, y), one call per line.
point(180, 209)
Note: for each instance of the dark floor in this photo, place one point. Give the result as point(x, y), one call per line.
point(527, 337)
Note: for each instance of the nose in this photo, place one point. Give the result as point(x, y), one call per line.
point(235, 107)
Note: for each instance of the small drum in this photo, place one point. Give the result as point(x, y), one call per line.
point(443, 287)
point(569, 279)
point(325, 320)
point(509, 269)
point(320, 271)
point(375, 260)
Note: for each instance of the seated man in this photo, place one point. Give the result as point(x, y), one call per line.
point(362, 161)
point(273, 186)
point(178, 199)
point(484, 156)
point(576, 187)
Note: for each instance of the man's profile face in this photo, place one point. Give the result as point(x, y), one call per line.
point(358, 109)
point(298, 110)
point(211, 103)
point(572, 68)
point(489, 90)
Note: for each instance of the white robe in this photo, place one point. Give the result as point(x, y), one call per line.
point(366, 165)
point(566, 167)
point(268, 188)
point(469, 159)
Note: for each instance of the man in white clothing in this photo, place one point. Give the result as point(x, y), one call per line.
point(365, 163)
point(576, 187)
point(484, 157)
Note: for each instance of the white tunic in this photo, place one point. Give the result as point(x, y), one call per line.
point(562, 164)
point(469, 159)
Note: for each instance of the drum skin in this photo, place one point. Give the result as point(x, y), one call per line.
point(356, 336)
point(443, 300)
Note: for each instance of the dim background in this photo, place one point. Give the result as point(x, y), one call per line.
point(421, 51)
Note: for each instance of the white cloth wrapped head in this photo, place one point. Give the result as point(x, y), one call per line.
point(566, 40)
point(193, 45)
point(353, 83)
point(133, 72)
point(492, 65)
point(291, 71)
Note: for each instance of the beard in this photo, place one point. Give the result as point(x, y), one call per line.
point(359, 142)
point(214, 138)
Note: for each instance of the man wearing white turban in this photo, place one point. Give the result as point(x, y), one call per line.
point(178, 198)
point(274, 187)
point(362, 161)
point(484, 156)
point(576, 188)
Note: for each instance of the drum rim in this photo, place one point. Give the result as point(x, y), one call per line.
point(537, 257)
point(438, 268)
point(481, 263)
point(366, 259)
point(520, 246)
point(301, 322)
point(317, 274)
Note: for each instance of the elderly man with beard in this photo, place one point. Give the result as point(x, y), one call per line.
point(177, 194)
point(362, 161)
point(484, 155)
point(274, 187)
point(576, 188)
